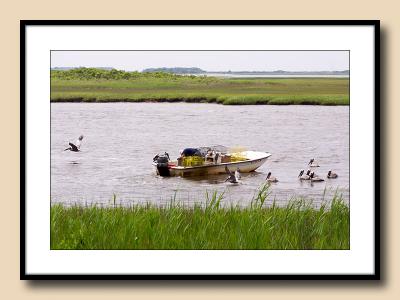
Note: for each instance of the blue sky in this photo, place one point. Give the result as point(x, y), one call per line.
point(206, 60)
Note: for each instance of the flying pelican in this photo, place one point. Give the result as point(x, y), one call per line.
point(313, 164)
point(315, 178)
point(75, 148)
point(271, 179)
point(332, 175)
point(232, 177)
point(305, 176)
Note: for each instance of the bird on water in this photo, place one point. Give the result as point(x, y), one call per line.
point(312, 163)
point(237, 174)
point(332, 175)
point(232, 176)
point(303, 176)
point(270, 178)
point(314, 177)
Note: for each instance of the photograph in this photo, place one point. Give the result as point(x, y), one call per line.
point(199, 150)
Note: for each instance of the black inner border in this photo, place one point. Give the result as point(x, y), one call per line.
point(377, 257)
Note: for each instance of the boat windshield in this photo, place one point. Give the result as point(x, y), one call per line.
point(218, 149)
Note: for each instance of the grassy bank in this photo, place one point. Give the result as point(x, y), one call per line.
point(296, 226)
point(91, 85)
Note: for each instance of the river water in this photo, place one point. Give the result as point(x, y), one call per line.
point(122, 138)
point(230, 75)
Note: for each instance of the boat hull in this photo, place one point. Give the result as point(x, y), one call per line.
point(256, 160)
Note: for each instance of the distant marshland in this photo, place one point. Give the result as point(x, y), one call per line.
point(98, 85)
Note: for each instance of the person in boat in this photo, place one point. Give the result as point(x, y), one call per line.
point(190, 152)
point(210, 155)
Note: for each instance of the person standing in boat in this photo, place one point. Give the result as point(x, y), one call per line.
point(190, 152)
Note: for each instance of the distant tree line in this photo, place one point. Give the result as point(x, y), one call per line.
point(176, 70)
point(83, 73)
point(113, 74)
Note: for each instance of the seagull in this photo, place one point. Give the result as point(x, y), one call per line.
point(305, 176)
point(271, 179)
point(75, 148)
point(315, 178)
point(332, 175)
point(237, 174)
point(313, 163)
point(232, 177)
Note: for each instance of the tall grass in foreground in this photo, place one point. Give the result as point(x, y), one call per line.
point(209, 226)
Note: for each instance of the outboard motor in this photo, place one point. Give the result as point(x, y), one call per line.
point(162, 164)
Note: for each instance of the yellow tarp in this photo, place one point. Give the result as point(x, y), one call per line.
point(192, 161)
point(238, 156)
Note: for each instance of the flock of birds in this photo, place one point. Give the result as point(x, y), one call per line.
point(309, 175)
point(312, 176)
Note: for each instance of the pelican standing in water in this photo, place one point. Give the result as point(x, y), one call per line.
point(75, 148)
point(232, 176)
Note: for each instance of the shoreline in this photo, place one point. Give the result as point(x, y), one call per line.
point(200, 101)
point(88, 85)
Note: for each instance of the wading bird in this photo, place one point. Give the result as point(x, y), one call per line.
point(75, 148)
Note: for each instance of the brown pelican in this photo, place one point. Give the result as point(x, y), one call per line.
point(305, 176)
point(75, 148)
point(271, 179)
point(237, 174)
point(232, 176)
point(332, 175)
point(315, 178)
point(313, 164)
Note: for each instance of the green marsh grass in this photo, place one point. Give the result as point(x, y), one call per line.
point(208, 226)
point(90, 85)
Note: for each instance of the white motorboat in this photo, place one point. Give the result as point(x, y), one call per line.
point(249, 161)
